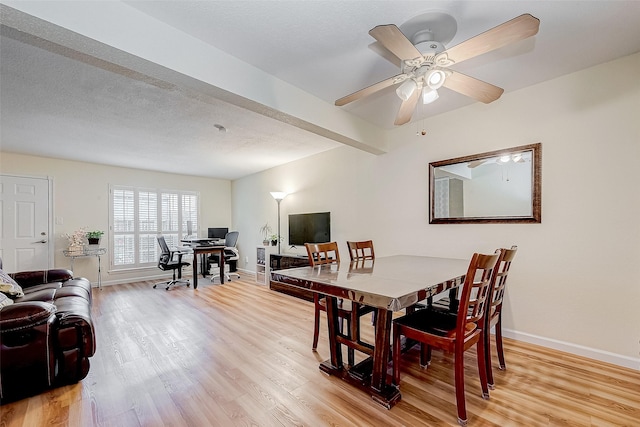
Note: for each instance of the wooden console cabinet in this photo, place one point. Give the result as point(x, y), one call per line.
point(283, 262)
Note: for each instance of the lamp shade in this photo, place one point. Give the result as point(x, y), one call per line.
point(406, 89)
point(429, 95)
point(435, 79)
point(279, 195)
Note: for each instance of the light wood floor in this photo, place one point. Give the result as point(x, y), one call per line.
point(240, 354)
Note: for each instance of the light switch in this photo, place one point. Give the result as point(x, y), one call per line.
point(59, 220)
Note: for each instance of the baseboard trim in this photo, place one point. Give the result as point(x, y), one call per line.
point(591, 353)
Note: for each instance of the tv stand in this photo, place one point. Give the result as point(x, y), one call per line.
point(286, 261)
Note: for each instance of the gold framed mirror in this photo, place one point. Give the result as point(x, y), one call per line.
point(502, 186)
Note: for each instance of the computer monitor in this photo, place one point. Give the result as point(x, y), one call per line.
point(217, 232)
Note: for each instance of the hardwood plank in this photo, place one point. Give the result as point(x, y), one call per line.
point(240, 354)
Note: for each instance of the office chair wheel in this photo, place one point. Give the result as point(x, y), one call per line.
point(154, 286)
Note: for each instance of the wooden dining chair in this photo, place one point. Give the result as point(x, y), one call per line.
point(494, 310)
point(493, 318)
point(328, 253)
point(361, 250)
point(451, 332)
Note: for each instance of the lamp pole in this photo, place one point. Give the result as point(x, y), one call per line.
point(279, 196)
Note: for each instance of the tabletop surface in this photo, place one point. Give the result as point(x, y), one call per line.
point(393, 282)
point(86, 251)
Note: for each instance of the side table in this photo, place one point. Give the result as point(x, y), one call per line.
point(87, 251)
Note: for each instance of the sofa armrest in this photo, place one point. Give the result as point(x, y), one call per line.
point(25, 315)
point(38, 277)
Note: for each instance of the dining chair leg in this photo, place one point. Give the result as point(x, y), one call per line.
point(395, 355)
point(486, 338)
point(499, 348)
point(316, 330)
point(425, 355)
point(458, 362)
point(351, 325)
point(482, 367)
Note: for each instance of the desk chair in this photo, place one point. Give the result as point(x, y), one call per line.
point(230, 254)
point(167, 263)
point(327, 253)
point(454, 333)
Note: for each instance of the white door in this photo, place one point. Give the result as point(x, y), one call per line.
point(25, 206)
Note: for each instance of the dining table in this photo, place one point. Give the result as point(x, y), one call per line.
point(388, 284)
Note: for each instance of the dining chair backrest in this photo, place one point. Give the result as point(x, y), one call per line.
point(322, 253)
point(499, 281)
point(475, 291)
point(361, 250)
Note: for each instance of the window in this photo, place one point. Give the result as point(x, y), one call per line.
point(138, 215)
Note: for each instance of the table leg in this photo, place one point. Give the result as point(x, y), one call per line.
point(99, 274)
point(381, 350)
point(195, 270)
point(222, 266)
point(335, 348)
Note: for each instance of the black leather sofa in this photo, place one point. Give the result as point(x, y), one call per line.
point(46, 335)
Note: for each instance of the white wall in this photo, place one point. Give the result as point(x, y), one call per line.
point(81, 199)
point(574, 284)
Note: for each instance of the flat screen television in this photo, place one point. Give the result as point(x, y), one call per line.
point(217, 233)
point(309, 228)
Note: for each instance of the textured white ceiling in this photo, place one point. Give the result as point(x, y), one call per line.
point(57, 104)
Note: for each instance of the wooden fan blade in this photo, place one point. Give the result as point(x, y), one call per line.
point(407, 108)
point(472, 87)
point(392, 38)
point(366, 91)
point(519, 28)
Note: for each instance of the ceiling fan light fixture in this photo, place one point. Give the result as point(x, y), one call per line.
point(435, 79)
point(406, 89)
point(429, 95)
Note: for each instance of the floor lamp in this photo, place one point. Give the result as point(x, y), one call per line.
point(279, 196)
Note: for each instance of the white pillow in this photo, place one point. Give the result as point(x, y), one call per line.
point(9, 287)
point(5, 300)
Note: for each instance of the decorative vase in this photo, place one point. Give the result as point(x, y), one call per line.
point(265, 242)
point(274, 243)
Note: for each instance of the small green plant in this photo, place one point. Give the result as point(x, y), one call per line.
point(94, 234)
point(266, 231)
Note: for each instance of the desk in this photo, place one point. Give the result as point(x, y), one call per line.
point(87, 251)
point(388, 284)
point(206, 249)
point(203, 240)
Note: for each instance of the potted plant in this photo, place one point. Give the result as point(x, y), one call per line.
point(274, 239)
point(94, 237)
point(265, 230)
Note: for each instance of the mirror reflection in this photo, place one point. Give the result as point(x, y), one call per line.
point(499, 186)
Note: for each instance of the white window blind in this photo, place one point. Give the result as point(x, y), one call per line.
point(139, 215)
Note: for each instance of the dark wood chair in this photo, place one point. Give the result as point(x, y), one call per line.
point(494, 310)
point(361, 250)
point(493, 318)
point(328, 253)
point(451, 332)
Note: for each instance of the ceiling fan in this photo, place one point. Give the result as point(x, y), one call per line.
point(428, 70)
